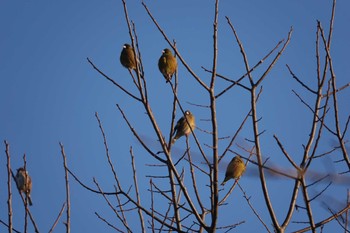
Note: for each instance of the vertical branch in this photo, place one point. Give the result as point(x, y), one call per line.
point(178, 195)
point(347, 211)
point(9, 189)
point(137, 190)
point(112, 167)
point(308, 206)
point(336, 110)
point(256, 132)
point(174, 197)
point(317, 51)
point(26, 198)
point(175, 100)
point(143, 92)
point(152, 206)
point(260, 162)
point(194, 183)
point(214, 179)
point(67, 223)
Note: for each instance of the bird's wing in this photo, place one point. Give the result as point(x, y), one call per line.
point(178, 125)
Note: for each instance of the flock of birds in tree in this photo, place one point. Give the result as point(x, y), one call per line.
point(167, 65)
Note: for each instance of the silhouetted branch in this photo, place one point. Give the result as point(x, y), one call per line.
point(276, 57)
point(299, 81)
point(285, 153)
point(195, 187)
point(58, 218)
point(307, 204)
point(214, 184)
point(64, 157)
point(246, 74)
point(137, 190)
point(335, 98)
point(112, 81)
point(323, 222)
point(9, 189)
point(108, 223)
point(252, 208)
point(320, 193)
point(12, 229)
point(122, 218)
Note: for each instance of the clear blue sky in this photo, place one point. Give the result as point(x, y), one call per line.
point(49, 93)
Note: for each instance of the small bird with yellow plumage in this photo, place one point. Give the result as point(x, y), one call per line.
point(167, 64)
point(24, 183)
point(127, 57)
point(235, 169)
point(183, 126)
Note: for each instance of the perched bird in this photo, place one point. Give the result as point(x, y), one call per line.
point(167, 64)
point(127, 57)
point(182, 127)
point(234, 169)
point(24, 183)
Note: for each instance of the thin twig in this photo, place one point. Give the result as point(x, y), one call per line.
point(110, 163)
point(152, 205)
point(58, 218)
point(137, 190)
point(323, 222)
point(108, 223)
point(121, 218)
point(195, 187)
point(299, 81)
point(4, 223)
point(252, 208)
point(9, 189)
point(64, 157)
point(114, 82)
point(286, 153)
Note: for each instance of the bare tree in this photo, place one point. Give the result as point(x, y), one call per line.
point(186, 207)
point(186, 210)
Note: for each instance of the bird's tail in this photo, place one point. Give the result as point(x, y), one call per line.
point(29, 200)
point(225, 180)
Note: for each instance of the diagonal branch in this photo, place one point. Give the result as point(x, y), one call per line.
point(299, 81)
point(112, 81)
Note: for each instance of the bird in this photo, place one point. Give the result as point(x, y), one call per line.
point(234, 169)
point(182, 126)
point(167, 64)
point(24, 183)
point(127, 57)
